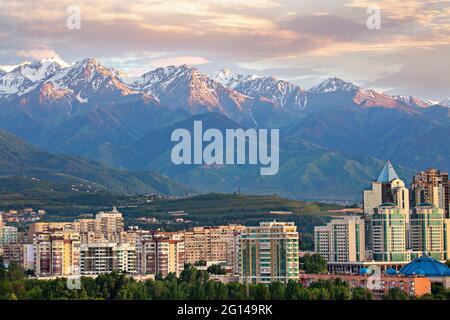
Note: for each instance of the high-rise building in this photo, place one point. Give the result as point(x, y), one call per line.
point(388, 233)
point(106, 257)
point(212, 243)
point(428, 232)
point(388, 188)
point(447, 238)
point(126, 258)
point(12, 253)
point(107, 226)
point(341, 240)
point(8, 234)
point(269, 253)
point(161, 254)
point(431, 186)
point(56, 253)
point(97, 258)
point(39, 227)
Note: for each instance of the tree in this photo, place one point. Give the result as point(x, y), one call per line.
point(216, 269)
point(236, 291)
point(395, 294)
point(200, 263)
point(314, 263)
point(259, 292)
point(277, 291)
point(362, 294)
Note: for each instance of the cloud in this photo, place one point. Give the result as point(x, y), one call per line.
point(321, 36)
point(37, 54)
point(177, 61)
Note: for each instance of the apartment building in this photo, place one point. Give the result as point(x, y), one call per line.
point(107, 226)
point(269, 253)
point(388, 226)
point(42, 227)
point(106, 257)
point(161, 254)
point(56, 253)
point(429, 232)
point(212, 244)
point(341, 240)
point(431, 186)
point(8, 234)
point(388, 188)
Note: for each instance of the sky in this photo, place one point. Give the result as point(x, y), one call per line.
point(303, 41)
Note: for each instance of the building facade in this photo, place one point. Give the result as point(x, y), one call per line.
point(212, 244)
point(341, 240)
point(388, 188)
point(106, 257)
point(429, 232)
point(431, 186)
point(161, 254)
point(56, 254)
point(269, 253)
point(388, 233)
point(8, 234)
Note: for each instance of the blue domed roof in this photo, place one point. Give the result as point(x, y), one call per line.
point(365, 271)
point(391, 271)
point(425, 266)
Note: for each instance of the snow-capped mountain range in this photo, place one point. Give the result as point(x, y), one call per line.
point(87, 109)
point(176, 86)
point(283, 93)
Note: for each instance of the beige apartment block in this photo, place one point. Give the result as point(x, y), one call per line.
point(212, 243)
point(341, 240)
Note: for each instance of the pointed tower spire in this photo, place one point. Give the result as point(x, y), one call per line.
point(388, 173)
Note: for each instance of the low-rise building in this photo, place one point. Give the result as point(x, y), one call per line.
point(411, 285)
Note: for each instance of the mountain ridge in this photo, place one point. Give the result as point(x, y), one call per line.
point(20, 159)
point(88, 110)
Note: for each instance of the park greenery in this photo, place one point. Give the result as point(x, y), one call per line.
point(192, 284)
point(313, 263)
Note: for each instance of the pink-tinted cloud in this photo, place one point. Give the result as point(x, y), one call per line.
point(322, 36)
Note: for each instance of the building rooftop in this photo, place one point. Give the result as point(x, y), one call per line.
point(388, 173)
point(425, 266)
point(425, 204)
point(388, 204)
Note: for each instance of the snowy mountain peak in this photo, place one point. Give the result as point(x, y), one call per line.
point(88, 76)
point(413, 101)
point(157, 82)
point(282, 93)
point(333, 85)
point(28, 75)
point(231, 79)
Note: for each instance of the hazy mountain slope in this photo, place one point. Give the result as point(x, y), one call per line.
point(307, 170)
point(20, 159)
